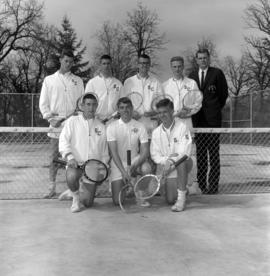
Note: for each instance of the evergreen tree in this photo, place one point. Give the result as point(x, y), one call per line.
point(66, 38)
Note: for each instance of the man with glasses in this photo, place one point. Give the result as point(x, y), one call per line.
point(149, 87)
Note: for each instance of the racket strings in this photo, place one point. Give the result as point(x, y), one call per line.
point(146, 187)
point(95, 171)
point(191, 99)
point(136, 100)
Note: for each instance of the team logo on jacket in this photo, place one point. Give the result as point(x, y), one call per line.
point(175, 140)
point(74, 81)
point(98, 131)
point(150, 88)
point(115, 87)
point(212, 88)
point(135, 130)
point(187, 136)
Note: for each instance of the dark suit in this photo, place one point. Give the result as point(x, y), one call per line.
point(215, 93)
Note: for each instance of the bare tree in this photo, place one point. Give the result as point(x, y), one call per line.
point(141, 31)
point(257, 17)
point(110, 40)
point(17, 23)
point(237, 75)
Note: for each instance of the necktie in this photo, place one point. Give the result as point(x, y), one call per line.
point(202, 79)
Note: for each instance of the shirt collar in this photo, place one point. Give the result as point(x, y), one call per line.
point(67, 74)
point(141, 78)
point(205, 71)
point(121, 122)
point(170, 128)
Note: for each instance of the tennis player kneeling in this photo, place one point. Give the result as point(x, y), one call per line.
point(83, 144)
point(171, 140)
point(127, 139)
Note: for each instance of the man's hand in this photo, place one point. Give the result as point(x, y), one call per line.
point(126, 178)
point(184, 113)
point(72, 163)
point(56, 122)
point(133, 170)
point(167, 167)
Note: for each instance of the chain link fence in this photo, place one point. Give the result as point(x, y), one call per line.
point(24, 155)
point(249, 110)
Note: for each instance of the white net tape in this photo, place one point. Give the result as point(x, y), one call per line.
point(244, 161)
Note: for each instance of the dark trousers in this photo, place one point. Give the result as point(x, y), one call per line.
point(207, 145)
point(54, 154)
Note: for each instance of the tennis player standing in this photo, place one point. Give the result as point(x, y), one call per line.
point(107, 88)
point(83, 137)
point(122, 135)
point(171, 140)
point(177, 87)
point(58, 97)
point(149, 87)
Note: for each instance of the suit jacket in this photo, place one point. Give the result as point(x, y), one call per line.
point(215, 93)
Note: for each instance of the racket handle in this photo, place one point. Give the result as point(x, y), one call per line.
point(182, 159)
point(129, 158)
point(58, 161)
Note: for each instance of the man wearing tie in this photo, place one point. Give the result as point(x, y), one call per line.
point(213, 85)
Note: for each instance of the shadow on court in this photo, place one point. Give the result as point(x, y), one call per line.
point(215, 235)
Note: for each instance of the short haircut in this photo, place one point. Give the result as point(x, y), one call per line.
point(165, 103)
point(124, 100)
point(144, 56)
point(105, 57)
point(203, 51)
point(177, 58)
point(67, 52)
point(89, 96)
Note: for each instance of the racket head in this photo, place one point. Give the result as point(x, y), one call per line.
point(127, 200)
point(192, 99)
point(136, 99)
point(159, 98)
point(147, 186)
point(95, 171)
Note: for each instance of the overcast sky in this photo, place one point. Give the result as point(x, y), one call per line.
point(184, 21)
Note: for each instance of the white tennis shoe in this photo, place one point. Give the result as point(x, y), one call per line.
point(76, 205)
point(66, 195)
point(180, 203)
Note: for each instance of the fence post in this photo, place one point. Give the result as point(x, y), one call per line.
point(251, 115)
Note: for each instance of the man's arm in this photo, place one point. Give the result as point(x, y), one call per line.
point(155, 151)
point(222, 88)
point(117, 160)
point(65, 144)
point(44, 104)
point(144, 154)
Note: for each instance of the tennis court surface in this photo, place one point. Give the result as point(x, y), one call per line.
point(216, 235)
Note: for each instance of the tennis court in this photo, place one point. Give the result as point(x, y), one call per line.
point(215, 235)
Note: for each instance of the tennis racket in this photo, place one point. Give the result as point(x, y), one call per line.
point(113, 115)
point(192, 100)
point(144, 189)
point(93, 169)
point(136, 99)
point(77, 109)
point(147, 186)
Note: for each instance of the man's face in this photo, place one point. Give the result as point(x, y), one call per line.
point(165, 114)
point(125, 110)
point(89, 107)
point(66, 63)
point(105, 66)
point(143, 65)
point(203, 60)
point(177, 68)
